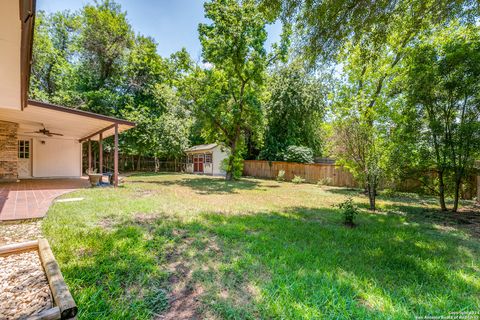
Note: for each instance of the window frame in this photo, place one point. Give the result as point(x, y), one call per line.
point(208, 157)
point(24, 149)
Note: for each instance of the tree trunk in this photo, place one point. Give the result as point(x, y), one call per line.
point(229, 173)
point(372, 193)
point(138, 162)
point(231, 159)
point(441, 191)
point(157, 164)
point(458, 183)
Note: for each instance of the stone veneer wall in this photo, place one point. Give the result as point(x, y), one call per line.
point(8, 150)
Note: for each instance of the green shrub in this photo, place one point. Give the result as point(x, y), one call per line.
point(281, 175)
point(298, 154)
point(237, 166)
point(349, 211)
point(298, 180)
point(325, 181)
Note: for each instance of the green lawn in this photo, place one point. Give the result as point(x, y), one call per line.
point(258, 249)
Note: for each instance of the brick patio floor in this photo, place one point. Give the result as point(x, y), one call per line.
point(29, 199)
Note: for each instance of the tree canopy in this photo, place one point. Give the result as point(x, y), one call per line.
point(387, 88)
point(228, 93)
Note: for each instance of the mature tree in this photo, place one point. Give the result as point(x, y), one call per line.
point(294, 111)
point(53, 75)
point(152, 93)
point(370, 39)
point(161, 132)
point(325, 25)
point(443, 86)
point(104, 41)
point(228, 96)
point(91, 60)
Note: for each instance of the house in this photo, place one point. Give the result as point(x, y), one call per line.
point(206, 159)
point(37, 139)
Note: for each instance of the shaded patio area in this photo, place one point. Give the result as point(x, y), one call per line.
point(29, 199)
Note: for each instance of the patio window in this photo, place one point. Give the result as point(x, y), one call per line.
point(208, 158)
point(24, 149)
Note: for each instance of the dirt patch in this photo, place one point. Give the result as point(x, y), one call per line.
point(145, 193)
point(366, 304)
point(140, 219)
point(107, 224)
point(184, 298)
point(144, 218)
point(185, 295)
point(467, 218)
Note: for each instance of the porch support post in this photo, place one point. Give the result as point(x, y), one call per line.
point(100, 153)
point(115, 158)
point(89, 156)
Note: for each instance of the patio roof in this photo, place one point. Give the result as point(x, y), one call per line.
point(72, 123)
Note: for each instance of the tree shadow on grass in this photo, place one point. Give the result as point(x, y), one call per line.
point(153, 174)
point(207, 185)
point(297, 263)
point(114, 275)
point(318, 268)
point(351, 192)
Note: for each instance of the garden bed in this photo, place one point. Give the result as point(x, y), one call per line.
point(31, 284)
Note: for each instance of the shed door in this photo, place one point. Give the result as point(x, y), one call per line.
point(198, 163)
point(24, 168)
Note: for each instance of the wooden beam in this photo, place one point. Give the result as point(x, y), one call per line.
point(115, 158)
point(15, 248)
point(96, 133)
point(100, 153)
point(49, 314)
point(61, 295)
point(27, 18)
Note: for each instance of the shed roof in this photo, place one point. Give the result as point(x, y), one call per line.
point(202, 147)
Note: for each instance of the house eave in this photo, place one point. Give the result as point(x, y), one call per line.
point(82, 113)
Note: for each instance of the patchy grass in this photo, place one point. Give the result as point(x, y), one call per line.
point(258, 249)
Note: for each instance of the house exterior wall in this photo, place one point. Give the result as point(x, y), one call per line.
point(10, 38)
point(8, 150)
point(217, 158)
point(208, 167)
point(56, 158)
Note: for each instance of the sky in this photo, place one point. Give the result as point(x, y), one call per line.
point(172, 23)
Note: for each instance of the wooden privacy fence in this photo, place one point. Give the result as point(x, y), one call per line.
point(331, 174)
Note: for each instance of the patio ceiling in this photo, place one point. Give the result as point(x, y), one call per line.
point(72, 123)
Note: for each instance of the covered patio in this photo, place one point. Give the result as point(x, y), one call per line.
point(45, 141)
point(42, 156)
point(31, 198)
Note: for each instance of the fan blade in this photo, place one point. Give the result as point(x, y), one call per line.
point(55, 134)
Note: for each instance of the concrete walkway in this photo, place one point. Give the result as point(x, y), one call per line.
point(31, 198)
